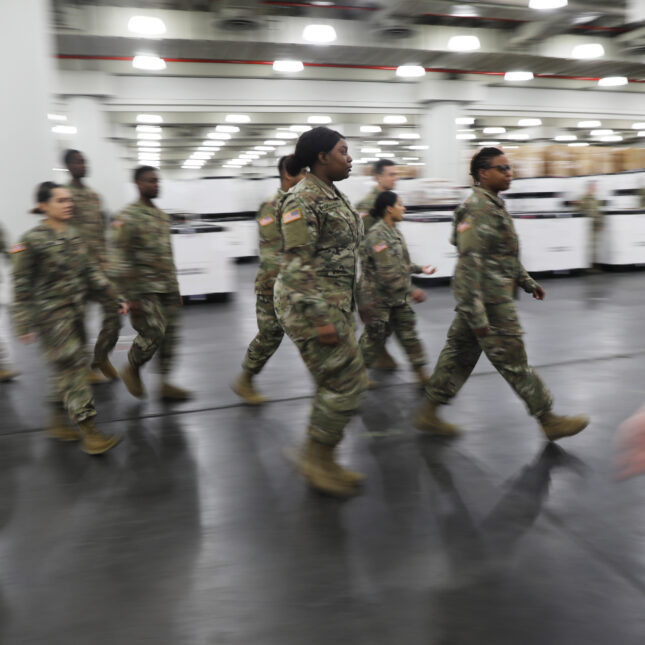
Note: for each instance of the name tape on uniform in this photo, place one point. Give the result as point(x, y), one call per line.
point(265, 221)
point(292, 216)
point(381, 246)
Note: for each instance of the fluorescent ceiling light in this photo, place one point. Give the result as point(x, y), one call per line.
point(511, 147)
point(612, 81)
point(410, 158)
point(227, 128)
point(464, 11)
point(149, 159)
point(299, 128)
point(410, 71)
point(286, 134)
point(468, 136)
point(201, 155)
point(394, 119)
point(60, 170)
point(146, 26)
point(464, 120)
point(370, 150)
point(486, 144)
point(319, 34)
point(494, 130)
point(386, 155)
point(207, 149)
point(148, 136)
point(588, 51)
point(275, 142)
point(57, 117)
point(64, 129)
point(288, 66)
point(148, 62)
point(149, 128)
point(638, 126)
point(370, 128)
point(601, 133)
point(265, 148)
point(211, 144)
point(148, 144)
point(250, 155)
point(387, 142)
point(416, 163)
point(220, 136)
point(369, 159)
point(238, 118)
point(525, 123)
point(464, 44)
point(149, 118)
point(566, 137)
point(578, 144)
point(641, 133)
point(418, 147)
point(149, 150)
point(589, 124)
point(319, 119)
point(518, 136)
point(612, 138)
point(547, 4)
point(409, 135)
point(518, 76)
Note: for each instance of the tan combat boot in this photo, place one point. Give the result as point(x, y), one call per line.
point(557, 427)
point(427, 420)
point(384, 361)
point(243, 387)
point(170, 392)
point(94, 377)
point(422, 376)
point(58, 428)
point(317, 465)
point(95, 442)
point(7, 374)
point(132, 380)
point(106, 367)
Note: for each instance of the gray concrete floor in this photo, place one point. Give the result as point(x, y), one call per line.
point(194, 531)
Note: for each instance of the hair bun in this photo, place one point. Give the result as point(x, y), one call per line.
point(35, 211)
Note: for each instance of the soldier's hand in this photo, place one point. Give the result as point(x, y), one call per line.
point(418, 295)
point(327, 335)
point(482, 332)
point(124, 307)
point(538, 293)
point(429, 269)
point(28, 338)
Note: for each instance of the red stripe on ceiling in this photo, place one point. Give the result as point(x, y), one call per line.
point(387, 68)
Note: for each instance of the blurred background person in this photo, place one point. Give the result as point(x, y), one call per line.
point(487, 270)
point(270, 333)
point(7, 373)
point(591, 208)
point(145, 270)
point(51, 274)
point(386, 176)
point(385, 288)
point(90, 223)
point(314, 299)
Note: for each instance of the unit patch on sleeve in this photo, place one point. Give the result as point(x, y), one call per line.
point(292, 216)
point(265, 221)
point(16, 248)
point(381, 246)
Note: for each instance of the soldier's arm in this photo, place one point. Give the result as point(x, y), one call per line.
point(124, 237)
point(24, 257)
point(392, 280)
point(299, 228)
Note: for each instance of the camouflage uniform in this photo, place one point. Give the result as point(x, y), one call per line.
point(321, 233)
point(384, 290)
point(365, 206)
point(4, 352)
point(590, 206)
point(51, 273)
point(270, 333)
point(487, 271)
point(89, 222)
point(145, 270)
point(641, 197)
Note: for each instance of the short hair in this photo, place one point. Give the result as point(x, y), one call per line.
point(44, 192)
point(310, 144)
point(383, 200)
point(381, 165)
point(142, 170)
point(68, 154)
point(481, 160)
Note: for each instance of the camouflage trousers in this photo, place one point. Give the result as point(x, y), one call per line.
point(507, 354)
point(268, 338)
point(338, 371)
point(62, 337)
point(108, 334)
point(155, 317)
point(384, 320)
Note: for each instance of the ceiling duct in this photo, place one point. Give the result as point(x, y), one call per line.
point(238, 15)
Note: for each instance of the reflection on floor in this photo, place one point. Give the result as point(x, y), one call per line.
point(194, 531)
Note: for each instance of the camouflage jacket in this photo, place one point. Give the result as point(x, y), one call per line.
point(270, 245)
point(365, 206)
point(641, 197)
point(590, 206)
point(52, 271)
point(488, 266)
point(386, 267)
point(321, 233)
point(143, 261)
point(89, 221)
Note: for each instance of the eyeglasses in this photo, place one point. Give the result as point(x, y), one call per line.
point(502, 168)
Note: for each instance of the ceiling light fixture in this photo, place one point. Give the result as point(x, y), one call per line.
point(288, 66)
point(410, 71)
point(518, 136)
point(387, 142)
point(578, 144)
point(148, 144)
point(547, 4)
point(612, 138)
point(285, 134)
point(466, 136)
point(57, 117)
point(518, 76)
point(394, 119)
point(409, 135)
point(566, 137)
point(265, 148)
point(464, 44)
point(494, 130)
point(589, 124)
point(370, 129)
point(149, 128)
point(201, 155)
point(641, 133)
point(370, 150)
point(275, 142)
point(418, 147)
point(527, 123)
point(299, 128)
point(485, 144)
point(588, 51)
point(410, 159)
point(464, 120)
point(149, 118)
point(612, 81)
point(64, 129)
point(464, 11)
point(148, 62)
point(220, 136)
point(146, 26)
point(148, 136)
point(149, 150)
point(601, 133)
point(227, 128)
point(319, 34)
point(238, 118)
point(319, 119)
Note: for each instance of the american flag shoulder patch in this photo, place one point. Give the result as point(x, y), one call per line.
point(292, 216)
point(363, 213)
point(381, 246)
point(16, 248)
point(463, 226)
point(266, 220)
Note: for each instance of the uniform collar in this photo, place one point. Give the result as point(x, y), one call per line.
point(328, 190)
point(496, 199)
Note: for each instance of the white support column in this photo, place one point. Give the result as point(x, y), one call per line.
point(107, 173)
point(635, 11)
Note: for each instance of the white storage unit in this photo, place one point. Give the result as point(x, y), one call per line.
point(623, 238)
